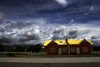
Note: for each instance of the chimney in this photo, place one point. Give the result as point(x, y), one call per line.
point(67, 41)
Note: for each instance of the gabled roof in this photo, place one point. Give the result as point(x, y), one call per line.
point(63, 42)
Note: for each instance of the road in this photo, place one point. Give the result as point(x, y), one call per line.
point(50, 62)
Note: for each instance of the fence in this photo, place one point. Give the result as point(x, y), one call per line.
point(95, 52)
point(23, 53)
point(35, 53)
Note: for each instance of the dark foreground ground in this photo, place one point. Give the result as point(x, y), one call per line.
point(16, 64)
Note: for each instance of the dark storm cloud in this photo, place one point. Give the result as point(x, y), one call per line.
point(72, 32)
point(25, 2)
point(59, 37)
point(23, 24)
point(84, 31)
point(2, 30)
point(77, 9)
point(56, 37)
point(37, 35)
point(95, 37)
point(67, 36)
point(59, 34)
point(5, 30)
point(7, 22)
point(6, 35)
point(19, 25)
point(26, 38)
point(76, 5)
point(83, 3)
point(5, 40)
point(10, 36)
point(58, 31)
point(46, 11)
point(95, 40)
point(26, 8)
point(47, 31)
point(1, 17)
point(95, 43)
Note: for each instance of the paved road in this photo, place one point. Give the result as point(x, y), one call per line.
point(50, 60)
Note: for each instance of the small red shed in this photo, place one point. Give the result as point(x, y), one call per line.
point(64, 47)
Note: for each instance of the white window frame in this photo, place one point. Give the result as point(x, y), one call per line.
point(52, 49)
point(85, 49)
point(72, 49)
point(64, 49)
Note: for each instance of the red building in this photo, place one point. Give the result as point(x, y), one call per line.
point(64, 47)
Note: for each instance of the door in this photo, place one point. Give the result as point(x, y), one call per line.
point(59, 51)
point(78, 50)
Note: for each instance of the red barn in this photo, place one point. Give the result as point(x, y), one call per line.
point(64, 47)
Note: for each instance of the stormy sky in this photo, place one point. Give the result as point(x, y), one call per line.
point(34, 21)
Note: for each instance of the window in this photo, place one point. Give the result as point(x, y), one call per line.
point(64, 49)
point(52, 49)
point(85, 49)
point(72, 49)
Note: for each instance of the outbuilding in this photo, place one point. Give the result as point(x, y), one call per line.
point(64, 47)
